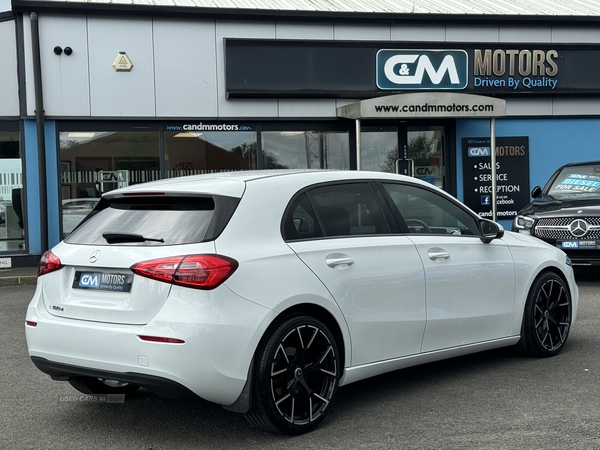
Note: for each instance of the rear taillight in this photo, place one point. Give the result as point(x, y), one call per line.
point(195, 271)
point(48, 263)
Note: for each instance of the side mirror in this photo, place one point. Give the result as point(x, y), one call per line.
point(490, 230)
point(536, 192)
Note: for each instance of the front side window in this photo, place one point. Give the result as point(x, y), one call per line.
point(425, 211)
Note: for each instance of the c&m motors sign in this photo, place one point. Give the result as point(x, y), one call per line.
point(415, 69)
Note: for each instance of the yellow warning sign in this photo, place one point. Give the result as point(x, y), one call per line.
point(122, 63)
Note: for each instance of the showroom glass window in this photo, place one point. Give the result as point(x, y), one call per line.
point(94, 162)
point(305, 150)
point(198, 152)
point(11, 186)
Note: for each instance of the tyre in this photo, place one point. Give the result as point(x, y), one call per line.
point(547, 316)
point(100, 386)
point(296, 375)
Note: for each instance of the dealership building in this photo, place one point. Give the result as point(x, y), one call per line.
point(483, 99)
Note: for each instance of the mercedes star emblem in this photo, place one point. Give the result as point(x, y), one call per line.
point(579, 228)
point(96, 255)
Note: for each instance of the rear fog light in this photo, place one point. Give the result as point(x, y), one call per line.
point(165, 340)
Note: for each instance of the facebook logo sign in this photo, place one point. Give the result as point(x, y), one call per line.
point(485, 200)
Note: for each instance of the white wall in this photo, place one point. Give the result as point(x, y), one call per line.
point(179, 69)
point(185, 70)
point(9, 84)
point(121, 93)
point(65, 78)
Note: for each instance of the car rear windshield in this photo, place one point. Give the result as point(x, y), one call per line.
point(577, 182)
point(146, 221)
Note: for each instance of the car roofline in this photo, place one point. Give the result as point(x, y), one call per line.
point(236, 181)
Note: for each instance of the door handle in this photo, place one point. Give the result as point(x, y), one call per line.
point(338, 260)
point(437, 253)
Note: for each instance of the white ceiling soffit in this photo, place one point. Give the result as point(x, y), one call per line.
point(563, 8)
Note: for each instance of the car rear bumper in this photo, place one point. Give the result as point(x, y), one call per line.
point(158, 385)
point(219, 337)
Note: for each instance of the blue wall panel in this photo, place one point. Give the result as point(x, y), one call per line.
point(32, 188)
point(552, 143)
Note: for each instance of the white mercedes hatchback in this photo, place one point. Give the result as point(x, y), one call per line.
point(265, 291)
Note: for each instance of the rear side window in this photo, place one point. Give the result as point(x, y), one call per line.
point(348, 210)
point(147, 221)
point(301, 222)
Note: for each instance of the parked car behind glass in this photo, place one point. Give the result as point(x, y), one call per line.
point(265, 291)
point(566, 213)
point(74, 210)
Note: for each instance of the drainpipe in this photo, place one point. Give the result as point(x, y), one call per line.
point(39, 121)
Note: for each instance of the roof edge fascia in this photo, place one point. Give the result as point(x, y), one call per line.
point(247, 14)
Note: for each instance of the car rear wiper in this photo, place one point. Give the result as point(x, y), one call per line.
point(116, 238)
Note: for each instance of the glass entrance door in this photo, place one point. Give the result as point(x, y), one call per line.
point(379, 148)
point(425, 145)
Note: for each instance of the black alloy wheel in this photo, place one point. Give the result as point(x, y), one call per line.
point(547, 317)
point(296, 375)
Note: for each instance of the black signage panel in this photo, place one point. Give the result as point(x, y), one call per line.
point(356, 69)
point(512, 175)
point(267, 68)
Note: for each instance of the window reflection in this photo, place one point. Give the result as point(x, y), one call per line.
point(426, 149)
point(379, 149)
point(11, 187)
point(95, 162)
point(305, 150)
point(197, 152)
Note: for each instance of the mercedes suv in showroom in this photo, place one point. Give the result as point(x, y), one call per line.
point(566, 212)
